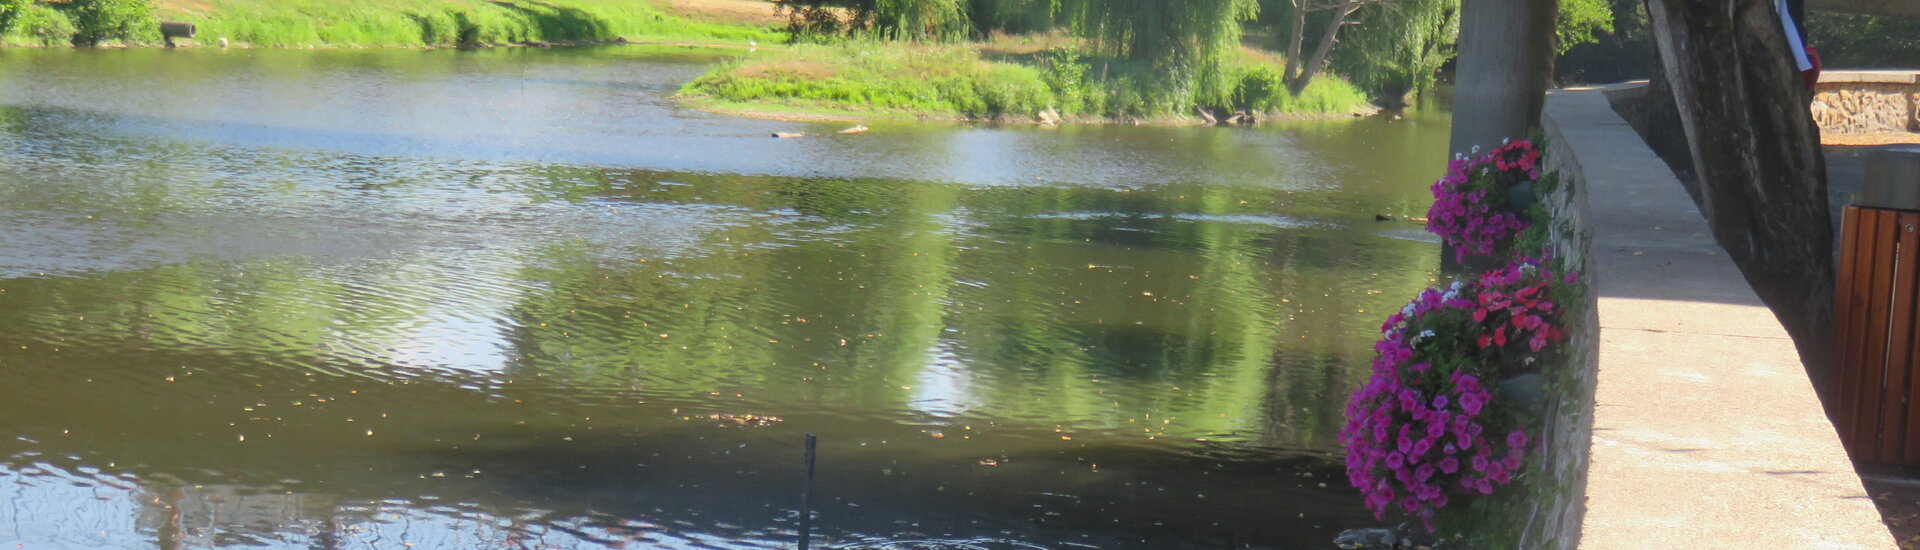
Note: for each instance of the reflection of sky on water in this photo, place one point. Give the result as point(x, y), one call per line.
point(51, 508)
point(447, 337)
point(495, 105)
point(54, 508)
point(942, 387)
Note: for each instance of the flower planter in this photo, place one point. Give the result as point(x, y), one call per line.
point(1527, 392)
point(1520, 197)
point(1481, 204)
point(1456, 379)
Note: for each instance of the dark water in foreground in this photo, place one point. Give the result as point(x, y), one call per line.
point(518, 299)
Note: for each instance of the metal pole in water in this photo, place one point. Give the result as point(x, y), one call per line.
point(806, 499)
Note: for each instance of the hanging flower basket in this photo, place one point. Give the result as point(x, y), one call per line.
point(1480, 205)
point(1438, 421)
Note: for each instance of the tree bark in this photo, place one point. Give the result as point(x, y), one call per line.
point(1756, 153)
point(1505, 64)
point(1295, 36)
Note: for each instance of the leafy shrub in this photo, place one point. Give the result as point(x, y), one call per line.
point(1262, 88)
point(1066, 74)
point(10, 11)
point(42, 25)
point(97, 21)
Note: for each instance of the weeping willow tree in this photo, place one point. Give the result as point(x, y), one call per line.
point(1392, 48)
point(1399, 49)
point(1189, 44)
point(915, 20)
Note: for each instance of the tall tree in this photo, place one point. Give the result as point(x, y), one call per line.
point(1756, 153)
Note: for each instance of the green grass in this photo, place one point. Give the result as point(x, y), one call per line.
point(894, 78)
point(427, 23)
point(958, 81)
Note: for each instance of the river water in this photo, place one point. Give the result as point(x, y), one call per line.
point(520, 299)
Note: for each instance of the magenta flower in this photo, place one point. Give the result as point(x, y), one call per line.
point(1416, 434)
point(1467, 211)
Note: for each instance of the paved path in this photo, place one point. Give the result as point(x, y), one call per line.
point(1706, 432)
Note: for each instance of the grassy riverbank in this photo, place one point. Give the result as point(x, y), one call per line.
point(957, 81)
point(412, 23)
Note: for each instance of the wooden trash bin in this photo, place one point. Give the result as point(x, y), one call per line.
point(1874, 404)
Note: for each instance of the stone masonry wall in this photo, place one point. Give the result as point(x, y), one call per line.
point(1864, 103)
point(1567, 423)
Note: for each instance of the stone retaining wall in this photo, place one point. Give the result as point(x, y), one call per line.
point(1867, 102)
point(1567, 426)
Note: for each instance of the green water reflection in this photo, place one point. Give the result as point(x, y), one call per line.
point(211, 343)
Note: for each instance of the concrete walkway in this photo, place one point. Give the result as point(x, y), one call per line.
point(1706, 432)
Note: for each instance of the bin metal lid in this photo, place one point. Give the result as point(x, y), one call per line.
point(1892, 179)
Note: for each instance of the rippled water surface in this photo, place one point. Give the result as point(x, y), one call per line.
point(520, 299)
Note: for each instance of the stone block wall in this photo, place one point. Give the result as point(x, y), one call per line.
point(1567, 418)
point(1867, 102)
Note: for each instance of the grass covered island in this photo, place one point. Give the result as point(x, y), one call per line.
point(1009, 80)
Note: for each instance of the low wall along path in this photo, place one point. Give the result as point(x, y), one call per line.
point(1867, 107)
point(1705, 430)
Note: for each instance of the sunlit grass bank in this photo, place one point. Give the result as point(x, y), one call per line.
point(414, 23)
point(957, 81)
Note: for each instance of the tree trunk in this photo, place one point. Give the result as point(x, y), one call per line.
point(1295, 36)
point(1506, 61)
point(1756, 152)
point(1331, 36)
